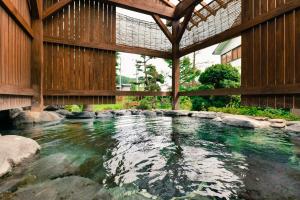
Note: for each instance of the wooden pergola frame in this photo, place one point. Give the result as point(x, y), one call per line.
point(164, 9)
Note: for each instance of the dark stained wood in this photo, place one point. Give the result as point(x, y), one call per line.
point(148, 7)
point(285, 89)
point(183, 7)
point(163, 27)
point(35, 9)
point(107, 46)
point(15, 61)
point(37, 69)
point(56, 7)
point(175, 67)
point(17, 16)
point(15, 90)
point(103, 93)
point(183, 25)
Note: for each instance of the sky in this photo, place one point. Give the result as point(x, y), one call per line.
point(204, 58)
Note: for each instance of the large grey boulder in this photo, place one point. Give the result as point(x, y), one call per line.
point(175, 113)
point(81, 115)
point(63, 112)
point(105, 114)
point(244, 122)
point(121, 112)
point(294, 128)
point(136, 112)
point(14, 150)
point(204, 115)
point(53, 108)
point(29, 117)
point(71, 188)
point(13, 113)
point(148, 113)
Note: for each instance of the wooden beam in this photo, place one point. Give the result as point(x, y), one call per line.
point(183, 25)
point(110, 47)
point(274, 90)
point(16, 15)
point(55, 8)
point(163, 27)
point(37, 66)
point(146, 7)
point(35, 11)
point(169, 3)
point(182, 8)
point(175, 67)
point(103, 93)
point(15, 90)
point(237, 30)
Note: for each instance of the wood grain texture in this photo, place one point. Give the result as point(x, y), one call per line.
point(273, 62)
point(79, 52)
point(15, 56)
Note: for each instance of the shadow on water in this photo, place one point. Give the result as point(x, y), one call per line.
point(183, 158)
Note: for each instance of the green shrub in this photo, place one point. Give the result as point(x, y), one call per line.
point(74, 108)
point(216, 77)
point(257, 111)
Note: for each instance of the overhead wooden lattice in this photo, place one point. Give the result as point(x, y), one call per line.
point(211, 19)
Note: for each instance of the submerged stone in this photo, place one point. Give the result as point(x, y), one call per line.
point(81, 115)
point(53, 166)
point(73, 187)
point(14, 150)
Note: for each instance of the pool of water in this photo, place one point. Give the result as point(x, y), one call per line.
point(179, 158)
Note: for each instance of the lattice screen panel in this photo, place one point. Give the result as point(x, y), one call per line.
point(139, 33)
point(214, 20)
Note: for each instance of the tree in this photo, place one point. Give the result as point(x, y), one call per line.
point(221, 76)
point(188, 73)
point(151, 79)
point(215, 77)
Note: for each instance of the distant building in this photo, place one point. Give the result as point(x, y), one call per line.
point(125, 87)
point(230, 52)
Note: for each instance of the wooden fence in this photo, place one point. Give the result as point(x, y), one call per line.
point(15, 56)
point(79, 68)
point(270, 53)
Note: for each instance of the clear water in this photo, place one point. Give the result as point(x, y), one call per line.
point(180, 158)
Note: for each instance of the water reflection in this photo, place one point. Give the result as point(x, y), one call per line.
point(181, 158)
point(169, 162)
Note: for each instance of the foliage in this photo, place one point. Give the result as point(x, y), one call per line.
point(188, 73)
point(151, 78)
point(117, 106)
point(185, 103)
point(257, 111)
point(215, 77)
point(74, 108)
point(221, 76)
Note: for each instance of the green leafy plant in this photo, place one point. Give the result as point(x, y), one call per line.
point(216, 77)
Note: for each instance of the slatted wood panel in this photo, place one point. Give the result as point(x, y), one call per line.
point(269, 53)
point(80, 68)
point(15, 57)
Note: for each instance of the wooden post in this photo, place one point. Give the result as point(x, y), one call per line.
point(37, 54)
point(175, 66)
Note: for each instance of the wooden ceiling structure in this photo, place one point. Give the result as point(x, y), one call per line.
point(38, 20)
